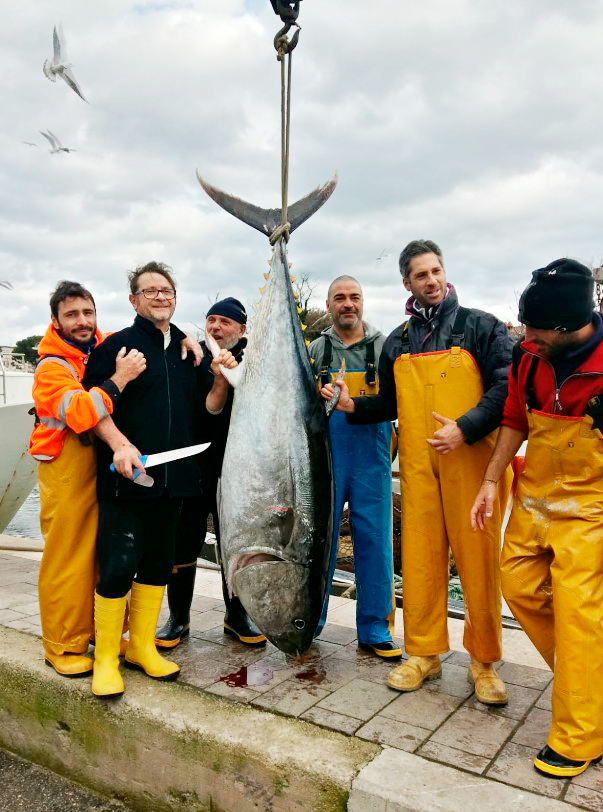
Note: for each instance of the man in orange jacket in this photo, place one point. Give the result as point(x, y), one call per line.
point(67, 471)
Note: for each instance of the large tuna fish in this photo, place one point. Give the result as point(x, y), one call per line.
point(275, 492)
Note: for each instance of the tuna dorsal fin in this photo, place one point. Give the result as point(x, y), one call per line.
point(266, 220)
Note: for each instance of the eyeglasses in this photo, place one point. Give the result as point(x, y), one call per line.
point(153, 293)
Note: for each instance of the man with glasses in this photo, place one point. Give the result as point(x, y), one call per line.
point(137, 525)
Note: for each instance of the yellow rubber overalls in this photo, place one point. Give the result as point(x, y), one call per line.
point(437, 494)
point(68, 510)
point(552, 572)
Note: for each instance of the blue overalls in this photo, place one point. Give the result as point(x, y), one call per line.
point(362, 475)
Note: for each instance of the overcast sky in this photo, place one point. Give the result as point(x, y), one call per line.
point(477, 125)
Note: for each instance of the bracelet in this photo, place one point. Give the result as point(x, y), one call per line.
point(495, 481)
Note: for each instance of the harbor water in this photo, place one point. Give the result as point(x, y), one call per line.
point(26, 522)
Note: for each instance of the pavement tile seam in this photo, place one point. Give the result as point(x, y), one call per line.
point(442, 723)
point(494, 758)
point(579, 789)
point(457, 766)
point(523, 789)
point(586, 798)
point(444, 720)
point(485, 714)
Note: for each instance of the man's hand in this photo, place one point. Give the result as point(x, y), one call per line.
point(224, 358)
point(128, 367)
point(448, 438)
point(483, 505)
point(190, 344)
point(345, 403)
point(125, 459)
point(216, 397)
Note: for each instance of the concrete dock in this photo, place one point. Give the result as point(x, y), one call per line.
point(251, 729)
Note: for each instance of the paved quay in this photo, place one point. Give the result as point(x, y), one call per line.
point(439, 747)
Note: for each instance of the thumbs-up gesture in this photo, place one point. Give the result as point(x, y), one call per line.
point(448, 438)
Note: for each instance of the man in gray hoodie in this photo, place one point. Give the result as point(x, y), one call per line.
point(361, 466)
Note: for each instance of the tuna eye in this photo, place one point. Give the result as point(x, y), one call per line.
point(299, 624)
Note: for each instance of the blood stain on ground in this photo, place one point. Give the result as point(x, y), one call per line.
point(313, 675)
point(248, 675)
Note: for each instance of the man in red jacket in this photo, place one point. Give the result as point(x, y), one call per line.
point(552, 559)
point(67, 471)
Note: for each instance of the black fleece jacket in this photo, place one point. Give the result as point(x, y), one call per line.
point(216, 426)
point(486, 339)
point(161, 410)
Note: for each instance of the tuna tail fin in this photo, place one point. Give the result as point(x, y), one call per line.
point(266, 220)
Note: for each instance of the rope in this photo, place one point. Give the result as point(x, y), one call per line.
point(284, 48)
point(280, 231)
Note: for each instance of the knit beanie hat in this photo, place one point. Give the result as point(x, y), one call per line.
point(559, 297)
point(231, 308)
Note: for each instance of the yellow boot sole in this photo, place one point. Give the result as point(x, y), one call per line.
point(161, 677)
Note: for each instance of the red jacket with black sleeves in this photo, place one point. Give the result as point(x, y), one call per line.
point(571, 399)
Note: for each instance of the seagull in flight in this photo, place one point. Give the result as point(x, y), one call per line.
point(6, 285)
point(384, 254)
point(29, 143)
point(59, 66)
point(55, 144)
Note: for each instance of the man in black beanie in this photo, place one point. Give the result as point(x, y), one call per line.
point(552, 559)
point(226, 322)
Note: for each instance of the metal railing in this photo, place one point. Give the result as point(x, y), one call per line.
point(11, 362)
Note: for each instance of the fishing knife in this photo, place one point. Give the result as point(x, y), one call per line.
point(149, 460)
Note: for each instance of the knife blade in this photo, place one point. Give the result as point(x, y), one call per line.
point(149, 460)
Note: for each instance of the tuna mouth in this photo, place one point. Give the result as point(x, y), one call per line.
point(260, 555)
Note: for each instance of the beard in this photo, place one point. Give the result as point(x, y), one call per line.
point(228, 343)
point(78, 339)
point(564, 344)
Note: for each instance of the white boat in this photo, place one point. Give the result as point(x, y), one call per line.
point(17, 468)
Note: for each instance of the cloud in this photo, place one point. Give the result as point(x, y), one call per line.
point(474, 125)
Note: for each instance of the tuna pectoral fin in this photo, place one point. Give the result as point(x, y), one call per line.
point(266, 220)
point(233, 376)
point(332, 402)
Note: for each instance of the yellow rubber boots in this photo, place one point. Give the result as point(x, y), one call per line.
point(108, 621)
point(145, 605)
point(412, 674)
point(489, 687)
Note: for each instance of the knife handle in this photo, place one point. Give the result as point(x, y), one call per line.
point(136, 473)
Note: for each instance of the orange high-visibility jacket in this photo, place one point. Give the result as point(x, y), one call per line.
point(61, 401)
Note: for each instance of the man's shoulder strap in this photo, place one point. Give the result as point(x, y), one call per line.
point(58, 359)
point(371, 368)
point(458, 328)
point(405, 338)
point(325, 376)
